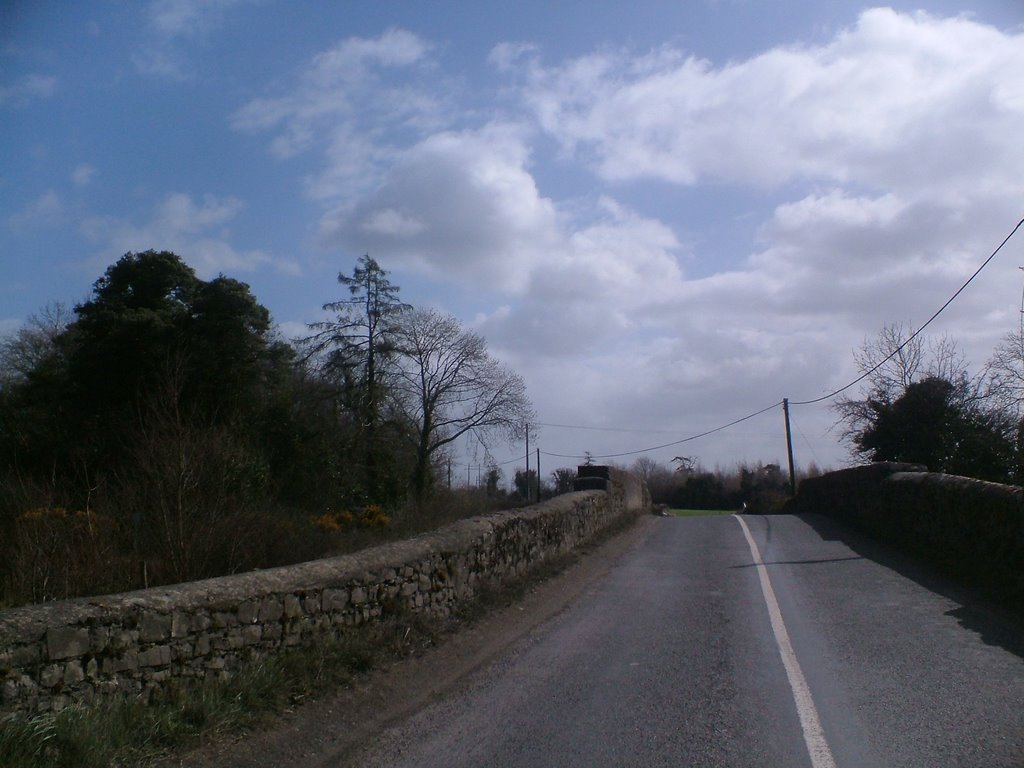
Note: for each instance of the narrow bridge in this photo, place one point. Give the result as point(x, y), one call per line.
point(739, 641)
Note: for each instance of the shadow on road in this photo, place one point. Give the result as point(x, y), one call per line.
point(995, 625)
point(801, 562)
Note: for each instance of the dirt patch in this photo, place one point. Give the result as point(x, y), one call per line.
point(330, 730)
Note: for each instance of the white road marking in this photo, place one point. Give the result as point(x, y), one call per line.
point(814, 736)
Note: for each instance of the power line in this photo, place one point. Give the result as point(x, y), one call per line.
point(604, 429)
point(773, 405)
point(916, 333)
point(666, 445)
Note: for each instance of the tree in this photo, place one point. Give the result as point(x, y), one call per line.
point(357, 347)
point(75, 412)
point(564, 480)
point(891, 362)
point(448, 386)
point(526, 484)
point(492, 481)
point(23, 352)
point(932, 424)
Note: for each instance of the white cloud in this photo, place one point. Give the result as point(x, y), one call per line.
point(173, 23)
point(886, 162)
point(896, 100)
point(82, 175)
point(329, 88)
point(189, 18)
point(196, 232)
point(360, 101)
point(46, 211)
point(31, 87)
point(460, 205)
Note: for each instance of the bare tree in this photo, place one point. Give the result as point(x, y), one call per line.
point(24, 350)
point(449, 386)
point(1005, 373)
point(892, 361)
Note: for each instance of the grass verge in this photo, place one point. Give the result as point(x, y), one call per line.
point(133, 733)
point(700, 512)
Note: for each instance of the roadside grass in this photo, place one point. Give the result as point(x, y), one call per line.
point(700, 512)
point(134, 733)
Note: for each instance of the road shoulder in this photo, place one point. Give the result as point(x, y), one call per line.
point(331, 729)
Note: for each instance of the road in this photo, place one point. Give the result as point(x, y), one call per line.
point(673, 657)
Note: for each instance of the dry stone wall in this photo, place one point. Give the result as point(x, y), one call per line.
point(140, 643)
point(971, 529)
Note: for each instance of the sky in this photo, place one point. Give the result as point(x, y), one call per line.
point(665, 216)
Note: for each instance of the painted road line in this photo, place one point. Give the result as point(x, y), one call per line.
point(814, 736)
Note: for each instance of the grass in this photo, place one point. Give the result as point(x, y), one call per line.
point(133, 733)
point(700, 512)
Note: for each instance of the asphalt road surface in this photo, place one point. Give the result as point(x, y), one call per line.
point(690, 652)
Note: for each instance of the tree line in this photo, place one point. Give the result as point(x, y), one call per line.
point(162, 431)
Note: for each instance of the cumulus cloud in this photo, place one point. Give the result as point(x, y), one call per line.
point(864, 108)
point(888, 158)
point(340, 94)
point(461, 205)
point(198, 232)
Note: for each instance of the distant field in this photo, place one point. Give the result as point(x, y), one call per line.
point(699, 512)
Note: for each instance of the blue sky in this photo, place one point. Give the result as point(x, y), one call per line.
point(663, 215)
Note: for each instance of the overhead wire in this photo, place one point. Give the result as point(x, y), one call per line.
point(749, 416)
point(916, 333)
point(665, 445)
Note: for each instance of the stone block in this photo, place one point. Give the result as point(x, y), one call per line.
point(335, 599)
point(358, 595)
point(129, 662)
point(311, 603)
point(409, 588)
point(271, 609)
point(66, 642)
point(154, 627)
point(180, 625)
point(252, 634)
point(9, 692)
point(99, 639)
point(199, 622)
point(292, 606)
point(248, 612)
point(22, 656)
point(51, 676)
point(73, 673)
point(120, 641)
point(157, 656)
point(203, 645)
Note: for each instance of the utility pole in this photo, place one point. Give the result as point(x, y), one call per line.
point(789, 448)
point(538, 475)
point(527, 463)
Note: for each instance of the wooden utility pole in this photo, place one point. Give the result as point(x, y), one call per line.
point(789, 448)
point(527, 463)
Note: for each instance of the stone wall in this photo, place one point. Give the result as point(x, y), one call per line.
point(137, 643)
point(971, 529)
